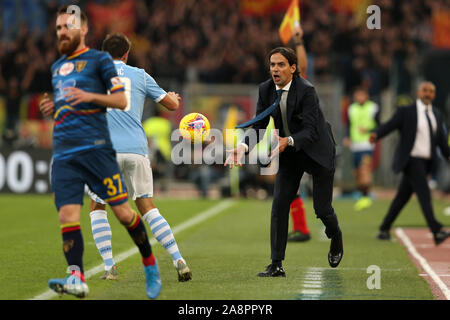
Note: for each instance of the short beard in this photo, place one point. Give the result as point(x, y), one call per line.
point(71, 47)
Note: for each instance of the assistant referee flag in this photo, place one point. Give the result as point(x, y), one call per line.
point(290, 21)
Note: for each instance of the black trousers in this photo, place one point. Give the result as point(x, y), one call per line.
point(292, 165)
point(414, 180)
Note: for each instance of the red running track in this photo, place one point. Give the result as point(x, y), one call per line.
point(432, 261)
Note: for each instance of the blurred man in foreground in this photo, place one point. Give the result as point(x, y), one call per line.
point(82, 149)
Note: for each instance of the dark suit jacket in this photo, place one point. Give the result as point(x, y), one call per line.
point(405, 120)
point(310, 131)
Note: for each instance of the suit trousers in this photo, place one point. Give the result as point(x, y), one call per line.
point(414, 180)
point(292, 166)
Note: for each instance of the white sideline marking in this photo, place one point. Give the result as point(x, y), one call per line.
point(423, 262)
point(312, 292)
point(312, 284)
point(202, 216)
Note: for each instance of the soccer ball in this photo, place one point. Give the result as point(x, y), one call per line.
point(194, 127)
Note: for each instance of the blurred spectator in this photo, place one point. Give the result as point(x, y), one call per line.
point(363, 117)
point(217, 42)
point(158, 130)
point(222, 44)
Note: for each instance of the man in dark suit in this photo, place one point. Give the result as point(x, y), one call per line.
point(422, 130)
point(306, 144)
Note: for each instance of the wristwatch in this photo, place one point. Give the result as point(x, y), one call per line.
point(290, 141)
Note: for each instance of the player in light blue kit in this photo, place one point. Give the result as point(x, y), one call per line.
point(130, 142)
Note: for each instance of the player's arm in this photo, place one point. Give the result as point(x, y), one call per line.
point(116, 100)
point(46, 105)
point(346, 140)
point(300, 50)
point(171, 101)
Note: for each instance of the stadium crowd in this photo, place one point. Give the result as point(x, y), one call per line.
point(219, 42)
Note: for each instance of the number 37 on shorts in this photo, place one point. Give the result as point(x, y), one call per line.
point(111, 185)
point(115, 189)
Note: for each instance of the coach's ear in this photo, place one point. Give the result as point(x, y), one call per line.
point(293, 68)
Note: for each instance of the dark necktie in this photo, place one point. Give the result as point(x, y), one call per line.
point(263, 114)
point(430, 129)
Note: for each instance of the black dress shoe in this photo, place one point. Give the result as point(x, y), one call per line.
point(336, 250)
point(383, 235)
point(440, 237)
point(298, 236)
point(273, 270)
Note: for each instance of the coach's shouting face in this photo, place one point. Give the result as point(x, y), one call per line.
point(281, 69)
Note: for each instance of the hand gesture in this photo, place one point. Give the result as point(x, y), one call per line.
point(347, 142)
point(174, 95)
point(76, 96)
point(235, 156)
point(298, 34)
point(282, 144)
point(47, 106)
point(373, 137)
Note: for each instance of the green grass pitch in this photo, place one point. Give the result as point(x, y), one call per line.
point(224, 252)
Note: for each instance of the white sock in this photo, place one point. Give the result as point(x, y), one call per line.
point(101, 231)
point(162, 232)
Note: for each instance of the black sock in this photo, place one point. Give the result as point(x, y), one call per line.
point(73, 245)
point(138, 233)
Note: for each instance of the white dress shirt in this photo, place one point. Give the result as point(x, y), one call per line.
point(283, 107)
point(422, 147)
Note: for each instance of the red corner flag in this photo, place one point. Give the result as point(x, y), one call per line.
point(290, 21)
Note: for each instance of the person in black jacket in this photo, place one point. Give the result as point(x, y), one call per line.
point(422, 130)
point(306, 144)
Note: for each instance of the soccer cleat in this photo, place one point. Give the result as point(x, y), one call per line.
point(111, 274)
point(363, 203)
point(384, 235)
point(152, 281)
point(298, 236)
point(70, 285)
point(184, 274)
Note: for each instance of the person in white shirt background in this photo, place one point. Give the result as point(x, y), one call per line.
point(422, 131)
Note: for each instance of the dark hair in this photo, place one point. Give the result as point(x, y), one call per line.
point(116, 44)
point(65, 10)
point(360, 88)
point(288, 53)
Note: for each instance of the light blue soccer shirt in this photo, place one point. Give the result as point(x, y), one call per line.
point(125, 127)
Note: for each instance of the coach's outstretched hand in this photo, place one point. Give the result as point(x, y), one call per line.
point(47, 106)
point(235, 156)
